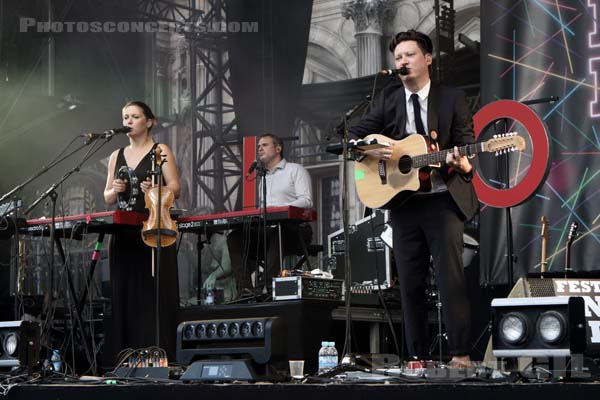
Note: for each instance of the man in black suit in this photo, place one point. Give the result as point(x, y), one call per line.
point(431, 222)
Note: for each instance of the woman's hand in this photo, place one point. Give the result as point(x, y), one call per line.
point(146, 185)
point(119, 185)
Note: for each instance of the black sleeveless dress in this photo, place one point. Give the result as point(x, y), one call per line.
point(133, 286)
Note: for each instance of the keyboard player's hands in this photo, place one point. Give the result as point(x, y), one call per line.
point(209, 282)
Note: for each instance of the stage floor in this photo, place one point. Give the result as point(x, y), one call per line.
point(195, 391)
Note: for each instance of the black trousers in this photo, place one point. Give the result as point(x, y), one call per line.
point(431, 225)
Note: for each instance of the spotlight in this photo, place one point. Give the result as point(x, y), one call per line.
point(514, 328)
point(538, 327)
point(552, 327)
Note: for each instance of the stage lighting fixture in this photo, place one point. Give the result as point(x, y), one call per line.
point(252, 337)
point(220, 349)
point(9, 340)
point(538, 327)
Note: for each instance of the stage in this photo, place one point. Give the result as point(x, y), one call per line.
point(266, 391)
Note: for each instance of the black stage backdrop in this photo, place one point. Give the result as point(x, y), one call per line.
point(531, 50)
point(97, 72)
point(267, 66)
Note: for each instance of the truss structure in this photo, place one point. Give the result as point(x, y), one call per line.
point(444, 34)
point(216, 164)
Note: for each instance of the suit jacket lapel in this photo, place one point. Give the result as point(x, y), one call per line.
point(432, 108)
point(401, 115)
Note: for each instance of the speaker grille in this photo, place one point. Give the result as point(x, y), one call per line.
point(541, 287)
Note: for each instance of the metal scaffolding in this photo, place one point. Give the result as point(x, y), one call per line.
point(444, 33)
point(216, 160)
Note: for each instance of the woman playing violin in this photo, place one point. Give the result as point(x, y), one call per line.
point(139, 117)
point(132, 281)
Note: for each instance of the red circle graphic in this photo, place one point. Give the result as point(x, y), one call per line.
point(539, 163)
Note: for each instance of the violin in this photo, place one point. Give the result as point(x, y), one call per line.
point(159, 206)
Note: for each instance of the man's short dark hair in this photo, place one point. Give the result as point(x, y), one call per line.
point(423, 41)
point(276, 140)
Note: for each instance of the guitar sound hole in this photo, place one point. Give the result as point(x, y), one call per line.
point(405, 164)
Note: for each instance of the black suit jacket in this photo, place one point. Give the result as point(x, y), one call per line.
point(447, 113)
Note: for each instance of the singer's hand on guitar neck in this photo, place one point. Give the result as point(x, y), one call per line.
point(382, 153)
point(458, 163)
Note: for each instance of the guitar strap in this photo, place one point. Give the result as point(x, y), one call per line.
point(432, 116)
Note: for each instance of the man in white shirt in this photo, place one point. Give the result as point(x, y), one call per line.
point(287, 184)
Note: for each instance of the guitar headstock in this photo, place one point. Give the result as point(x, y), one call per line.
point(572, 232)
point(544, 227)
point(503, 143)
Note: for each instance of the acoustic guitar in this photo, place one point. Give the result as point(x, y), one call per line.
point(388, 183)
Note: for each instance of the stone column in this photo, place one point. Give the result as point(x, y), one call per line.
point(369, 17)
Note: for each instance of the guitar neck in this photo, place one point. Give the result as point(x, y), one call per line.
point(424, 160)
point(543, 262)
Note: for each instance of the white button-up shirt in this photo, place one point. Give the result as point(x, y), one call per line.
point(288, 185)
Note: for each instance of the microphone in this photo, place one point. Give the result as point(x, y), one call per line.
point(401, 71)
point(252, 168)
point(106, 134)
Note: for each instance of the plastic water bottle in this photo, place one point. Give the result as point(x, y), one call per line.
point(323, 355)
point(210, 298)
point(333, 355)
point(56, 361)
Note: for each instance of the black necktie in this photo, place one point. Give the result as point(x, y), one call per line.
point(417, 109)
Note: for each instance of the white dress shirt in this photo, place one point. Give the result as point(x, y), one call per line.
point(288, 185)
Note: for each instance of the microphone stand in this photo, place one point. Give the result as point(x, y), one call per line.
point(350, 114)
point(158, 173)
point(511, 257)
point(51, 192)
point(347, 156)
point(262, 172)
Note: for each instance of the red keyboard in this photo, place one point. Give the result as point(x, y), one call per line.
point(234, 219)
point(106, 222)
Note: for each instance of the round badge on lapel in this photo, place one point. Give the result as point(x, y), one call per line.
point(433, 135)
